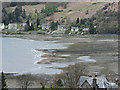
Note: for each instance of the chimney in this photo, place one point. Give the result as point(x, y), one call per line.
point(95, 86)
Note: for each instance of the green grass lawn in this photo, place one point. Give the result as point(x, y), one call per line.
point(59, 32)
point(9, 30)
point(18, 25)
point(38, 31)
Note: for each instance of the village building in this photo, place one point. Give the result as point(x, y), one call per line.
point(23, 24)
point(95, 26)
point(85, 29)
point(2, 26)
point(12, 26)
point(95, 82)
point(61, 28)
point(74, 29)
point(45, 26)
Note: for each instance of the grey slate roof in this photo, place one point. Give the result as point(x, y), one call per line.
point(101, 81)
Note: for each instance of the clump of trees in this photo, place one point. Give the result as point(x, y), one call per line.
point(18, 15)
point(43, 80)
point(25, 81)
point(107, 22)
point(109, 74)
point(65, 5)
point(71, 76)
point(50, 9)
point(106, 6)
point(53, 25)
point(85, 23)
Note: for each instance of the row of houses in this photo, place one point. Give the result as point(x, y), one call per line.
point(11, 26)
point(62, 28)
point(43, 27)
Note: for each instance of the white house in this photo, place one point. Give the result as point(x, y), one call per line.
point(12, 26)
point(23, 24)
point(74, 28)
point(61, 28)
point(95, 26)
point(45, 26)
point(85, 29)
point(2, 26)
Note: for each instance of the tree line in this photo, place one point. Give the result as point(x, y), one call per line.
point(18, 15)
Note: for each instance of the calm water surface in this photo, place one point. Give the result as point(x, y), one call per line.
point(20, 55)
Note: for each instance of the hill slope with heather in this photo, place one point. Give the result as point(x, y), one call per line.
point(72, 11)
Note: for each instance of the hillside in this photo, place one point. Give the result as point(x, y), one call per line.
point(72, 11)
point(106, 19)
point(76, 9)
point(82, 14)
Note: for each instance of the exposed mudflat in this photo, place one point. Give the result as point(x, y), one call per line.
point(102, 48)
point(99, 51)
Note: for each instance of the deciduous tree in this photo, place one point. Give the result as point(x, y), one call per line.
point(24, 81)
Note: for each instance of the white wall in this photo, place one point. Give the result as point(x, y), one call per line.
point(2, 26)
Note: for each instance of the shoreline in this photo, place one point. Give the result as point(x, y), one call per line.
point(104, 52)
point(71, 50)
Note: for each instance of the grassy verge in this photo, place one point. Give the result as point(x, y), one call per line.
point(9, 30)
point(62, 32)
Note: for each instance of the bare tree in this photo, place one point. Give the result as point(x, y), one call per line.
point(109, 74)
point(43, 79)
point(25, 81)
point(71, 75)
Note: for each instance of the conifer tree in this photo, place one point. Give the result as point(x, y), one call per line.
point(52, 26)
point(24, 13)
point(3, 82)
point(38, 22)
point(77, 21)
point(92, 29)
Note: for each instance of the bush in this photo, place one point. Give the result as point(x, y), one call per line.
point(60, 10)
point(49, 9)
point(105, 7)
point(69, 10)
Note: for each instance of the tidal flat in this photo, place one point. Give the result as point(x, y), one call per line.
point(97, 51)
point(102, 48)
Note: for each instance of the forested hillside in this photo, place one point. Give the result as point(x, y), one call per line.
point(106, 19)
point(104, 15)
point(63, 12)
